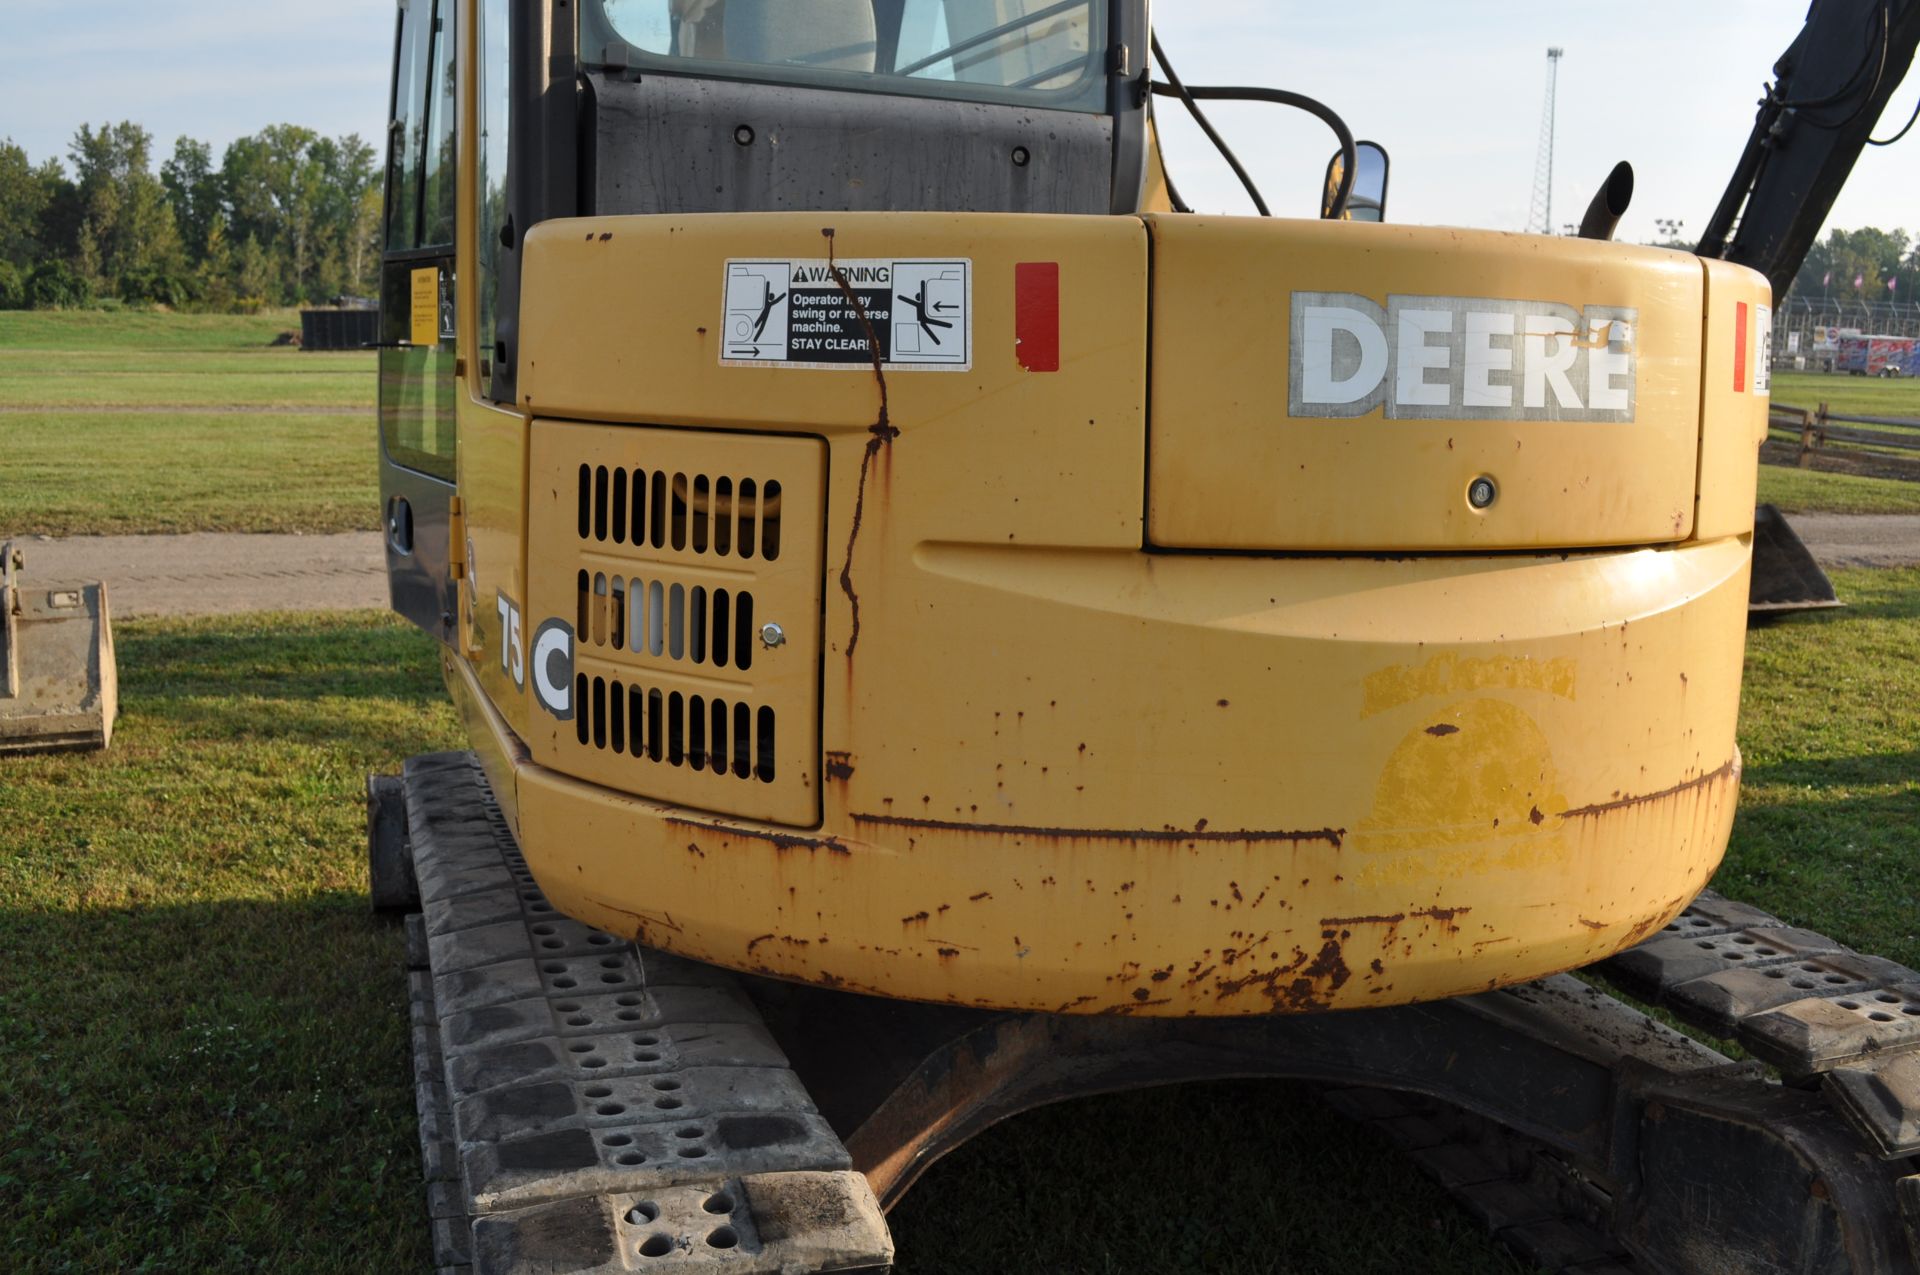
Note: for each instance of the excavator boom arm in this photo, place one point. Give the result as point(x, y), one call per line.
point(1829, 89)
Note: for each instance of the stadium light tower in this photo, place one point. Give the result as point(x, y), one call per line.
point(1540, 215)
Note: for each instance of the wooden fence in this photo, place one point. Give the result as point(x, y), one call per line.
point(1816, 431)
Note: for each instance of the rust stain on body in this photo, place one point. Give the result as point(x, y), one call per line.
point(881, 435)
point(1302, 985)
point(839, 765)
point(1388, 918)
point(1725, 770)
point(779, 840)
point(1330, 836)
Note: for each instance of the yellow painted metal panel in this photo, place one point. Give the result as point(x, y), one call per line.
point(621, 320)
point(1110, 781)
point(501, 751)
point(1590, 439)
point(1733, 420)
point(492, 467)
point(668, 554)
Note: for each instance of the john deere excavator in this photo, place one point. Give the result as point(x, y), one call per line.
point(942, 630)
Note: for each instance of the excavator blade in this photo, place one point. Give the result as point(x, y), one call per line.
point(1785, 576)
point(59, 687)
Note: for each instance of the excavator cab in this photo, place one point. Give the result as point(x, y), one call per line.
point(904, 582)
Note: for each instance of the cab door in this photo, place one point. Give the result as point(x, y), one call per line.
point(417, 307)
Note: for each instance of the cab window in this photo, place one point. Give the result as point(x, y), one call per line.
point(1041, 52)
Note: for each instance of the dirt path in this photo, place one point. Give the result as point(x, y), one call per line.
point(214, 573)
point(1860, 540)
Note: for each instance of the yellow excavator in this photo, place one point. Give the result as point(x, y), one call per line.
point(942, 629)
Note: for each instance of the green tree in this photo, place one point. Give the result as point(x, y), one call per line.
point(214, 276)
point(25, 193)
point(305, 199)
point(127, 229)
point(255, 275)
point(55, 285)
point(275, 187)
point(193, 189)
point(1869, 254)
point(350, 211)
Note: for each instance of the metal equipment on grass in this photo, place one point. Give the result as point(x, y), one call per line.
point(1785, 576)
point(59, 688)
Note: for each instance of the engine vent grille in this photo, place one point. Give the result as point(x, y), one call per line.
point(667, 620)
point(676, 729)
point(668, 551)
point(695, 513)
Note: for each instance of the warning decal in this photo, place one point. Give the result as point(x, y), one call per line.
point(916, 314)
point(1763, 348)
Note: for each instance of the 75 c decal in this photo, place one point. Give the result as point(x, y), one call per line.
point(551, 656)
point(513, 653)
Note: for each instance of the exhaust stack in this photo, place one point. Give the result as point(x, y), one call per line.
point(1609, 203)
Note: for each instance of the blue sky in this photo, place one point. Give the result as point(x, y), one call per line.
point(1453, 90)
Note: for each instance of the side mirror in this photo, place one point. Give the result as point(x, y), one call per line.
point(1367, 201)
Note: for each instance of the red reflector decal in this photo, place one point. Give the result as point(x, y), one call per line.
point(1036, 315)
point(1740, 347)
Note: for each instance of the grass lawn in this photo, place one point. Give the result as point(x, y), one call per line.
point(1809, 491)
point(206, 1034)
point(112, 330)
point(98, 473)
point(1848, 395)
point(1830, 801)
point(207, 465)
point(149, 379)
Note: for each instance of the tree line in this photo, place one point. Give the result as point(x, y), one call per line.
point(1867, 265)
point(289, 217)
point(286, 217)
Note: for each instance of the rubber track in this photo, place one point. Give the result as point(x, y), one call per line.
point(586, 1106)
point(1821, 1014)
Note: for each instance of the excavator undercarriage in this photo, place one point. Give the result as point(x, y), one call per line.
point(590, 1105)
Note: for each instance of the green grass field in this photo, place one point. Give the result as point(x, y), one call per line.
point(206, 1032)
point(73, 330)
point(1848, 395)
point(193, 456)
point(146, 379)
point(207, 1055)
point(96, 473)
point(1809, 491)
